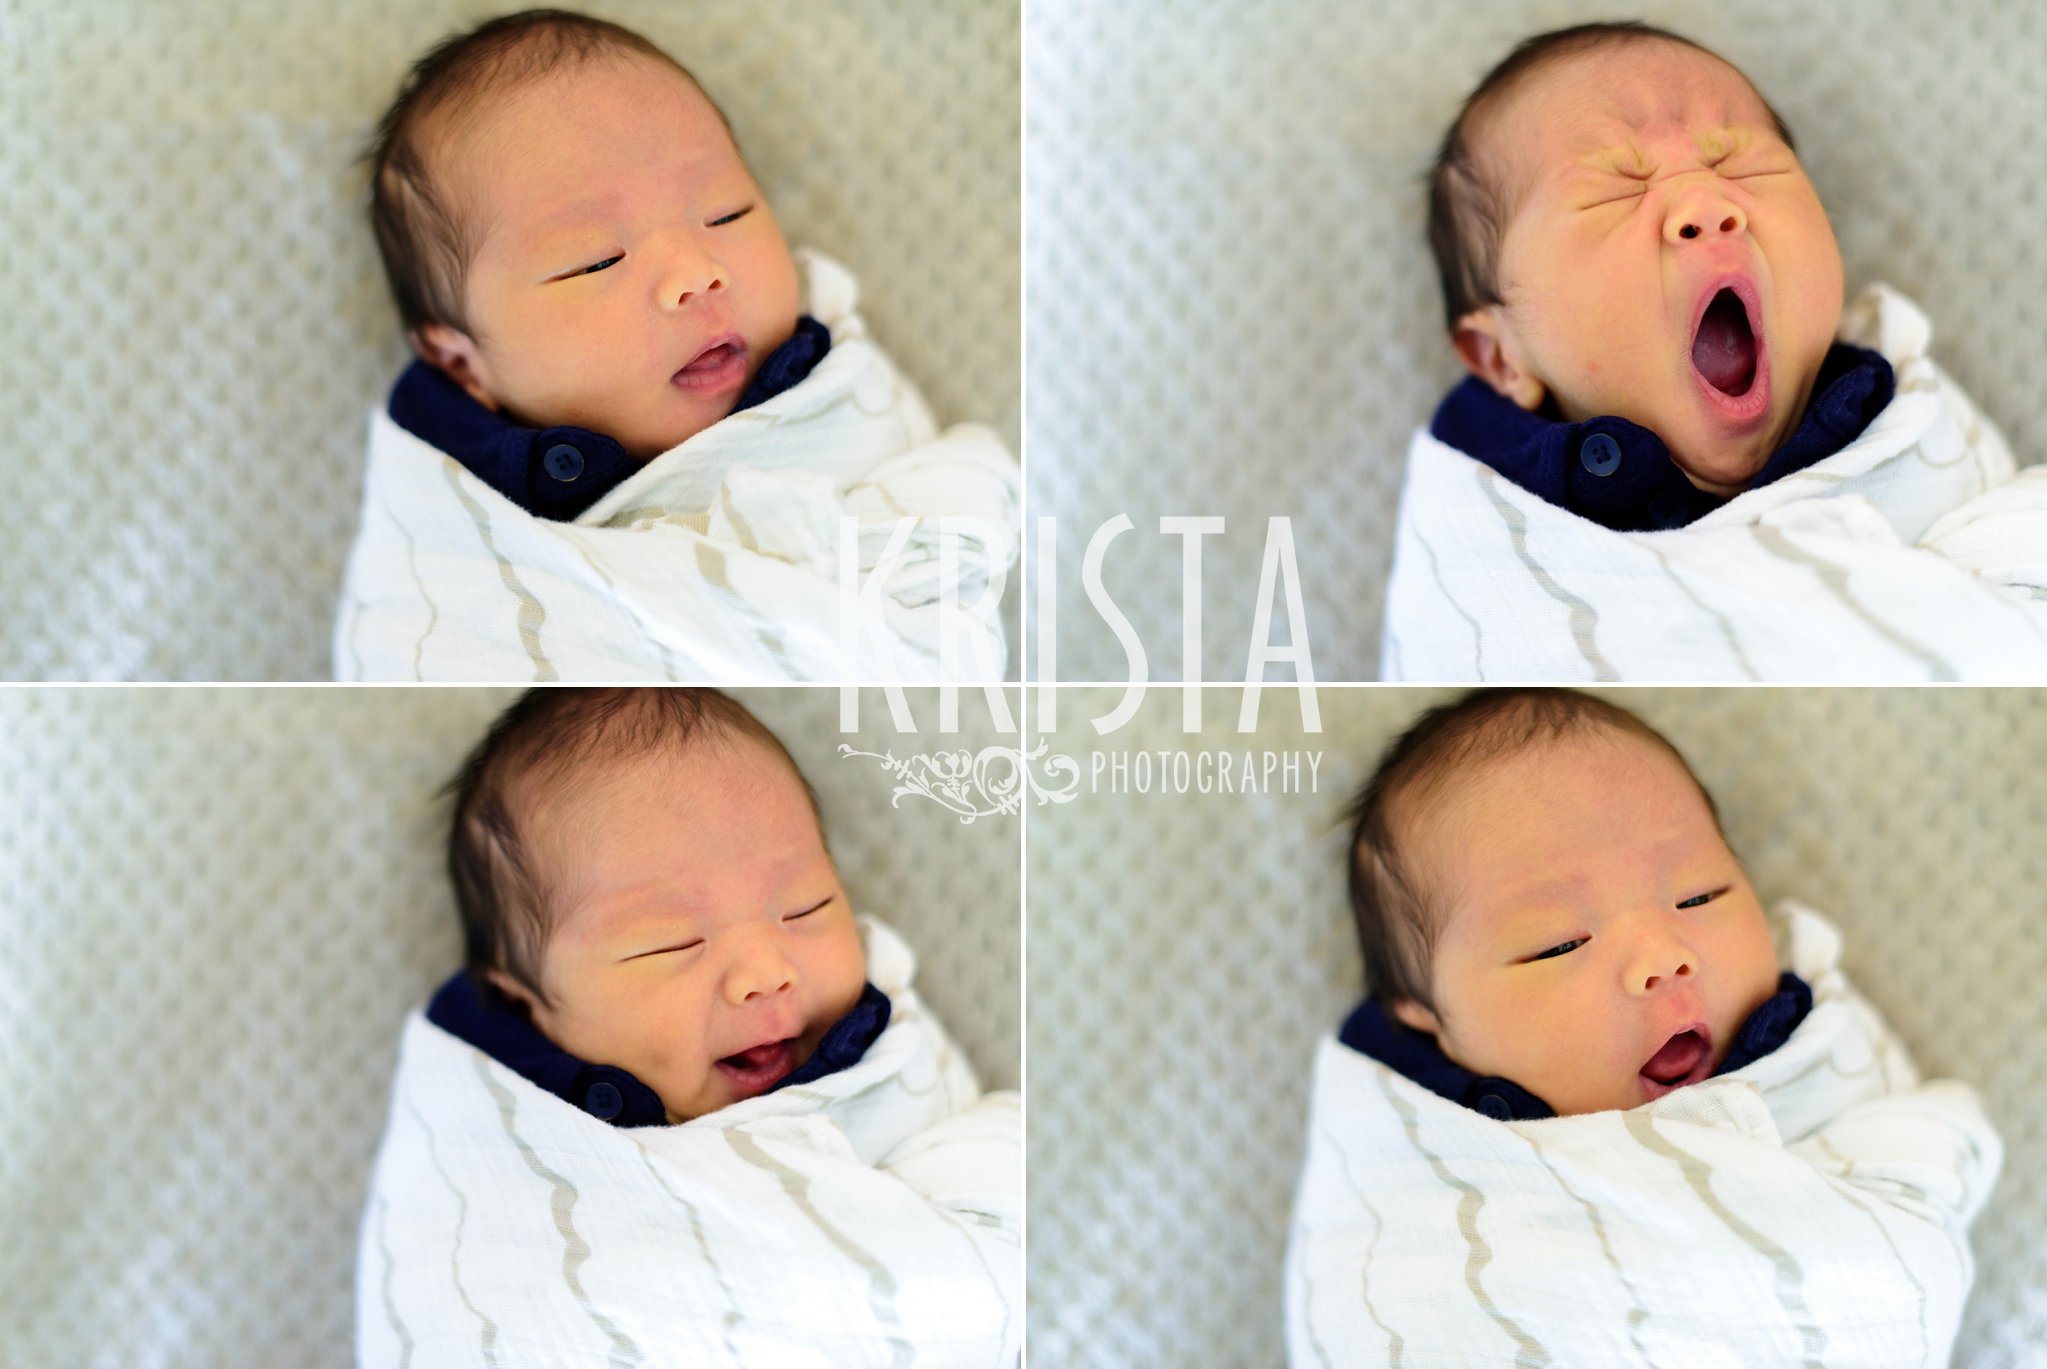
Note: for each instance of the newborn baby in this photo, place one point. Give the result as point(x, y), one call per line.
point(1594, 950)
point(1640, 277)
point(1582, 1067)
point(671, 1012)
point(613, 264)
point(1624, 231)
point(666, 919)
point(596, 286)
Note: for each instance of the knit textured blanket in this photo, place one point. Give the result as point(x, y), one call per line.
point(1914, 553)
point(1811, 1208)
point(872, 1217)
point(831, 533)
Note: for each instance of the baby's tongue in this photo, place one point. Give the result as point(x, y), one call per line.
point(1679, 1056)
point(1725, 349)
point(757, 1057)
point(712, 359)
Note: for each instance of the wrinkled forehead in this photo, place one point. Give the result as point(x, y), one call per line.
point(1608, 99)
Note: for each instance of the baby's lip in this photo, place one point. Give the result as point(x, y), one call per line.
point(718, 365)
point(1753, 404)
point(1684, 1057)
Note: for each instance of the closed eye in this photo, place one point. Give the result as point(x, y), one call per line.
point(1561, 948)
point(792, 917)
point(592, 268)
point(1641, 189)
point(689, 945)
point(733, 217)
point(1697, 900)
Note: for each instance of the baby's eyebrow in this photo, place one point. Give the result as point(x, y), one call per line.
point(623, 914)
point(1519, 910)
point(575, 214)
point(1626, 158)
point(1717, 144)
point(1621, 159)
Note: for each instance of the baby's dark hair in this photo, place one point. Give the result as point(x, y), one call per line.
point(425, 238)
point(505, 896)
point(1390, 899)
point(1468, 209)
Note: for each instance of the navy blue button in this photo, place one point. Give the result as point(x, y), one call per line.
point(1494, 1106)
point(604, 1101)
point(1601, 454)
point(563, 462)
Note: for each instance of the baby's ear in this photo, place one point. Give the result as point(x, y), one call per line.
point(511, 988)
point(455, 354)
point(1415, 1015)
point(1492, 352)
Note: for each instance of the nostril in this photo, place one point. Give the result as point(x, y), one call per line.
point(1690, 230)
point(1727, 225)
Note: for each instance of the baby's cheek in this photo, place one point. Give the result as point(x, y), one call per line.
point(1753, 957)
point(1818, 276)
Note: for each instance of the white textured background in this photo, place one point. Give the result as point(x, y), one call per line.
point(1187, 953)
point(216, 907)
point(196, 325)
point(1232, 306)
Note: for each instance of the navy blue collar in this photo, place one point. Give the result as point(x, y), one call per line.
point(559, 472)
point(1619, 474)
point(1371, 1030)
point(489, 1021)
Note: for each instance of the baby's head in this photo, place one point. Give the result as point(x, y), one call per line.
point(572, 235)
point(1540, 881)
point(1623, 227)
point(642, 870)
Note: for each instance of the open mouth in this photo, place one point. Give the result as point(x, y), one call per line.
point(720, 365)
point(1685, 1058)
point(1724, 349)
point(757, 1069)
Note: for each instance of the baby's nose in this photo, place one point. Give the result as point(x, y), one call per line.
point(1702, 213)
point(710, 283)
point(760, 973)
point(693, 275)
point(1659, 959)
point(1673, 969)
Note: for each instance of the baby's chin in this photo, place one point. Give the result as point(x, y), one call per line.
point(1723, 457)
point(644, 447)
point(1724, 467)
point(671, 430)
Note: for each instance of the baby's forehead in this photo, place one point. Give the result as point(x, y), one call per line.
point(675, 830)
point(1611, 95)
point(510, 123)
point(1453, 807)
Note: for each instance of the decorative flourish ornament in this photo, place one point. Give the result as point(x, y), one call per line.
point(979, 784)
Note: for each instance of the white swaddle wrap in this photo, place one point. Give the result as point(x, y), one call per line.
point(872, 1217)
point(719, 560)
point(1810, 1208)
point(1913, 553)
